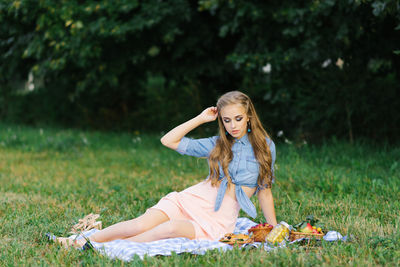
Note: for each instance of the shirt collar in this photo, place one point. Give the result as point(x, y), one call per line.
point(243, 140)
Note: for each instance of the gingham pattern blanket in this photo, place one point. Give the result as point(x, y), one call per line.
point(126, 250)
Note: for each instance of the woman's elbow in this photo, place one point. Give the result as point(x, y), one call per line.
point(171, 145)
point(162, 140)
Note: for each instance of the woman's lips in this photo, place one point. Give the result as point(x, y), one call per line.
point(234, 132)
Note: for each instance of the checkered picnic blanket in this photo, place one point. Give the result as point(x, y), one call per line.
point(126, 250)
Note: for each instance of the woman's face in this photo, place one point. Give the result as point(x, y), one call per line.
point(235, 120)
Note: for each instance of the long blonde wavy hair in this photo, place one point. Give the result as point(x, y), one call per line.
point(222, 151)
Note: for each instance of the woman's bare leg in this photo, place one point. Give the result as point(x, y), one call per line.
point(169, 229)
point(151, 218)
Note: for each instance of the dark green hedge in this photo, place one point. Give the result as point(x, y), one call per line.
point(313, 68)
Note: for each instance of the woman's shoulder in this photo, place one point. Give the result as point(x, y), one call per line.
point(272, 148)
point(215, 137)
point(271, 145)
point(269, 141)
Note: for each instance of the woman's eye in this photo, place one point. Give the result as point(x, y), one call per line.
point(237, 119)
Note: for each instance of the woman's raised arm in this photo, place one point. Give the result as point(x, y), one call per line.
point(173, 137)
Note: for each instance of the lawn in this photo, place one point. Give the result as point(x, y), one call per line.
point(49, 178)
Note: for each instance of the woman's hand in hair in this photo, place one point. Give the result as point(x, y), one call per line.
point(173, 137)
point(209, 114)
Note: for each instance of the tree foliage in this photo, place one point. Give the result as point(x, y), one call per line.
point(313, 68)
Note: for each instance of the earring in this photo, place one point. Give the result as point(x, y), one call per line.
point(226, 132)
point(248, 127)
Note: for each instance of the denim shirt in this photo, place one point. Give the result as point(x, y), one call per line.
point(243, 168)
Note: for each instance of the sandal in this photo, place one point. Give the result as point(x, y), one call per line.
point(87, 223)
point(68, 242)
point(87, 246)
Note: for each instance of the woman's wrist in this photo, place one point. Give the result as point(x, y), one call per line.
point(199, 120)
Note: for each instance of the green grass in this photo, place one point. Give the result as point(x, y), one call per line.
point(49, 178)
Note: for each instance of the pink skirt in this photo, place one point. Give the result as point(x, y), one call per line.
point(196, 204)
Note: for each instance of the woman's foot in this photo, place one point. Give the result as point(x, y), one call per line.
point(69, 242)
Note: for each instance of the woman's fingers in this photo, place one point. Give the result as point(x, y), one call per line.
point(210, 114)
point(213, 110)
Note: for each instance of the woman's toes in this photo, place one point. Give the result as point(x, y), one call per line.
point(68, 242)
point(65, 242)
point(80, 243)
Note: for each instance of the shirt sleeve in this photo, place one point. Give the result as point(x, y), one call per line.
point(273, 157)
point(196, 147)
point(272, 149)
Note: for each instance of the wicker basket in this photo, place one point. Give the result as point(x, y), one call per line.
point(297, 235)
point(260, 233)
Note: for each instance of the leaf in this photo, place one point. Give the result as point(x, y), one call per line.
point(311, 219)
point(303, 225)
point(298, 226)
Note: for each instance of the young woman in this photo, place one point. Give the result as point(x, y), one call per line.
point(241, 161)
